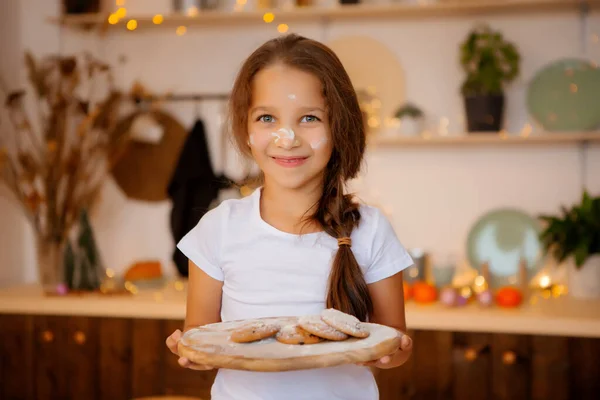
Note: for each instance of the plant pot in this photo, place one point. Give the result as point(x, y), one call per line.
point(584, 283)
point(485, 113)
point(81, 6)
point(411, 126)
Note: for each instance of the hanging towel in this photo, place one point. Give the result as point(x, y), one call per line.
point(192, 189)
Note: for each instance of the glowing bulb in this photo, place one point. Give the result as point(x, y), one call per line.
point(376, 103)
point(110, 273)
point(479, 280)
point(158, 19)
point(181, 30)
point(121, 12)
point(131, 24)
point(268, 17)
point(113, 19)
point(120, 3)
point(178, 286)
point(282, 28)
point(241, 2)
point(544, 281)
point(527, 129)
point(192, 11)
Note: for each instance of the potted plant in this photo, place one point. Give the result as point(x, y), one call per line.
point(574, 236)
point(411, 119)
point(489, 62)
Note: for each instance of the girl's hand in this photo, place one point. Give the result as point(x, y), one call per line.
point(184, 362)
point(395, 359)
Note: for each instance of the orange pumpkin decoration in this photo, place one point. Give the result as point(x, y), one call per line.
point(424, 292)
point(141, 270)
point(509, 297)
point(407, 291)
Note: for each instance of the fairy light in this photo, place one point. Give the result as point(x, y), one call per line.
point(192, 11)
point(181, 30)
point(282, 28)
point(110, 272)
point(268, 17)
point(545, 282)
point(121, 12)
point(527, 129)
point(120, 3)
point(132, 24)
point(113, 19)
point(178, 286)
point(158, 19)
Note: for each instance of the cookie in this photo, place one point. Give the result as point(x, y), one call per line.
point(346, 323)
point(293, 334)
point(315, 325)
point(253, 331)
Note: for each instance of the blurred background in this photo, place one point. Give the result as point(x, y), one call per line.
point(483, 119)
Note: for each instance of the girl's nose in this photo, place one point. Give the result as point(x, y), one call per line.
point(286, 138)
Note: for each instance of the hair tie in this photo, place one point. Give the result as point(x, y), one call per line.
point(345, 241)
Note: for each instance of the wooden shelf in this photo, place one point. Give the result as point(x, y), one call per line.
point(486, 139)
point(339, 12)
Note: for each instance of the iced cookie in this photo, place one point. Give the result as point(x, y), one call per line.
point(315, 325)
point(293, 334)
point(346, 323)
point(253, 331)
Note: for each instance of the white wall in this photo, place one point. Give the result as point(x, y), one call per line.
point(435, 194)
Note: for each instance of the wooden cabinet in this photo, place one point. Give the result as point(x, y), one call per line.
point(56, 357)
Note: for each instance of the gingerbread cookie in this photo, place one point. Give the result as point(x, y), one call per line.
point(346, 323)
point(293, 334)
point(315, 325)
point(254, 331)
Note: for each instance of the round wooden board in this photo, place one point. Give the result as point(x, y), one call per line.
point(210, 345)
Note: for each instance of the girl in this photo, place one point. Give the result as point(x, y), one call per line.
point(298, 244)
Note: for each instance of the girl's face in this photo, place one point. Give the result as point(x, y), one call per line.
point(288, 128)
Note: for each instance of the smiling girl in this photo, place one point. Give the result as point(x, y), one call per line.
point(299, 243)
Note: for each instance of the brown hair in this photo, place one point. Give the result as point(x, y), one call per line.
point(336, 211)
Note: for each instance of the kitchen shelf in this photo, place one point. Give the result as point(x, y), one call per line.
point(338, 12)
point(487, 139)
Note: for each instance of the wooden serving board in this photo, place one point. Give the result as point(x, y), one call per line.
point(210, 345)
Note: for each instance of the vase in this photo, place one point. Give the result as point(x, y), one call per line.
point(584, 282)
point(50, 261)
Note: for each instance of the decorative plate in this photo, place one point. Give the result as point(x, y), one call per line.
point(565, 96)
point(502, 238)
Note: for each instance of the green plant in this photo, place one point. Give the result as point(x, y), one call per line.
point(409, 110)
point(576, 232)
point(489, 62)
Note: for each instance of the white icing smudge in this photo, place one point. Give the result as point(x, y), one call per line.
point(287, 134)
point(318, 143)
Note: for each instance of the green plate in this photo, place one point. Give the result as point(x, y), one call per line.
point(565, 96)
point(501, 238)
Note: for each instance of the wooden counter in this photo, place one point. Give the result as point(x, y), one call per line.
point(97, 347)
point(559, 317)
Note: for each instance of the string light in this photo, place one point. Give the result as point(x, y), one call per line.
point(282, 28)
point(132, 24)
point(121, 13)
point(181, 30)
point(120, 3)
point(113, 19)
point(158, 19)
point(268, 17)
point(192, 11)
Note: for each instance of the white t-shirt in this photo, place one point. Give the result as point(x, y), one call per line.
point(270, 273)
